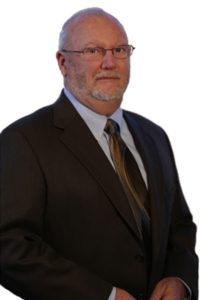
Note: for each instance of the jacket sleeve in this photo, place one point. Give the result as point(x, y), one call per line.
point(30, 267)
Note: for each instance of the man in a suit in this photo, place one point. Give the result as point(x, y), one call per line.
point(68, 227)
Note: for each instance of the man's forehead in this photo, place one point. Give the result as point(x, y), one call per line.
point(87, 36)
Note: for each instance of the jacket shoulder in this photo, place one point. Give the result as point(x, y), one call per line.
point(40, 118)
point(145, 124)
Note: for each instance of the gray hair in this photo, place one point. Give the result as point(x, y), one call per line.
point(64, 37)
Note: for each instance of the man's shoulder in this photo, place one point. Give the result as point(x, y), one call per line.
point(144, 123)
point(38, 118)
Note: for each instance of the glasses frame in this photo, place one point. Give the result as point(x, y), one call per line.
point(103, 50)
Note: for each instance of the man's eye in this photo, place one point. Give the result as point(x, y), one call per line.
point(92, 50)
point(119, 50)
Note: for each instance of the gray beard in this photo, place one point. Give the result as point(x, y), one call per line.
point(98, 95)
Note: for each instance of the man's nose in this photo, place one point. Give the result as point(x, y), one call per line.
point(108, 60)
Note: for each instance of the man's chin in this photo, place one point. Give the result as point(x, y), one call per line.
point(105, 97)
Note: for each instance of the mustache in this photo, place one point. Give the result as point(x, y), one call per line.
point(107, 74)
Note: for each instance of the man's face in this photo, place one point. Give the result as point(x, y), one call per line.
point(104, 79)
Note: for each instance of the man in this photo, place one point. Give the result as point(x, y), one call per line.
point(71, 227)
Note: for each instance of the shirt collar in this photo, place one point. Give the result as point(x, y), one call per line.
point(94, 121)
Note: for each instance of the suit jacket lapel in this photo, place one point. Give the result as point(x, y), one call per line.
point(77, 137)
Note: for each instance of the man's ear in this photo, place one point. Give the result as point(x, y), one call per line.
point(61, 62)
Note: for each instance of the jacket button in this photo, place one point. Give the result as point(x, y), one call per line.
point(139, 258)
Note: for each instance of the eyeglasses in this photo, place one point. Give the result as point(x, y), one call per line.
point(95, 53)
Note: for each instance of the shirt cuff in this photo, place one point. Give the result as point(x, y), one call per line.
point(112, 294)
point(189, 292)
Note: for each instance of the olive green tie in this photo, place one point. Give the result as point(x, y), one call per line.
point(129, 175)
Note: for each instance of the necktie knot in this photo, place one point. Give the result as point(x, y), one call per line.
point(112, 127)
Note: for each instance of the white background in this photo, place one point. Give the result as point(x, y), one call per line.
point(165, 83)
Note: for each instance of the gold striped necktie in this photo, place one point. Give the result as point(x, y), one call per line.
point(129, 176)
